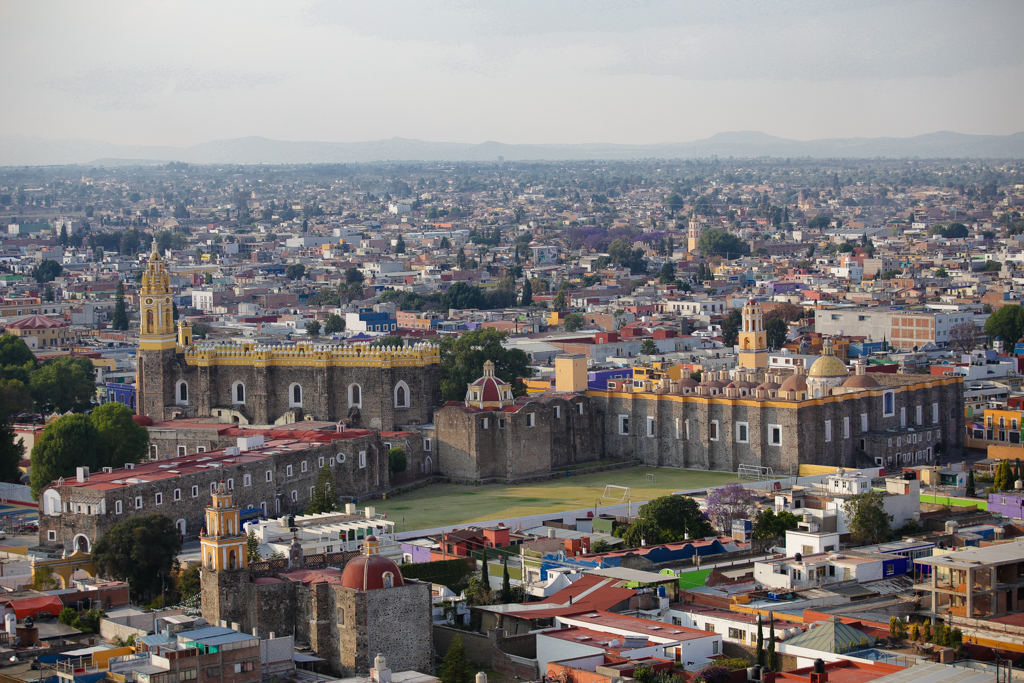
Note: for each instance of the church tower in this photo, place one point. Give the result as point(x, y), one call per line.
point(753, 340)
point(225, 562)
point(157, 339)
point(693, 235)
point(223, 542)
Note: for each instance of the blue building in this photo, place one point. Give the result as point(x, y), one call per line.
point(117, 392)
point(368, 320)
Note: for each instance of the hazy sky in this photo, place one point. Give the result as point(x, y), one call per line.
point(179, 73)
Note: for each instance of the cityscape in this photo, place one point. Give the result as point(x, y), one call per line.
point(580, 406)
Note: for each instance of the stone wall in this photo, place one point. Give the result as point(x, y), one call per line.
point(286, 490)
point(681, 426)
point(398, 624)
point(268, 391)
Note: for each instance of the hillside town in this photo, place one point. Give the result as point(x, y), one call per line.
point(589, 422)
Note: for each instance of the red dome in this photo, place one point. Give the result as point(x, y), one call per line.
point(143, 420)
point(490, 389)
point(751, 302)
point(367, 572)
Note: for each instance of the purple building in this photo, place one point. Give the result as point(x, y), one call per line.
point(1007, 504)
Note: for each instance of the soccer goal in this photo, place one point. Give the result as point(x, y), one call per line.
point(620, 494)
point(652, 478)
point(756, 472)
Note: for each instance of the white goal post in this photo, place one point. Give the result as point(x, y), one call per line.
point(620, 494)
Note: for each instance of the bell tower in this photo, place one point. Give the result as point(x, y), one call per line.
point(693, 235)
point(223, 544)
point(753, 340)
point(157, 340)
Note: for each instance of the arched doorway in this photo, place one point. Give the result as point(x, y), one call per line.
point(181, 526)
point(81, 543)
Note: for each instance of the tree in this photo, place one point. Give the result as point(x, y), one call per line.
point(335, 324)
point(188, 582)
point(760, 643)
point(296, 271)
point(461, 295)
point(454, 668)
point(313, 328)
point(964, 336)
point(915, 632)
point(325, 494)
point(956, 231)
point(768, 524)
point(463, 357)
point(120, 319)
point(731, 328)
point(485, 577)
point(43, 579)
point(506, 583)
point(1003, 480)
point(388, 340)
point(926, 632)
point(600, 546)
point(970, 491)
point(353, 276)
point(648, 347)
point(47, 271)
point(68, 442)
point(400, 245)
point(64, 384)
point(713, 673)
point(666, 520)
point(574, 322)
point(527, 294)
point(714, 242)
point(897, 628)
point(728, 503)
point(772, 663)
point(1006, 323)
point(397, 461)
point(775, 333)
point(559, 304)
point(867, 520)
point(667, 275)
point(121, 439)
point(14, 351)
point(140, 550)
point(12, 452)
point(252, 547)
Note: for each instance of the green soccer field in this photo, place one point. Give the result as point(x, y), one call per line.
point(441, 505)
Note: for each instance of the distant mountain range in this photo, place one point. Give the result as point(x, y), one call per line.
point(28, 151)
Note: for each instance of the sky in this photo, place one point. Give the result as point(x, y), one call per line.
point(515, 71)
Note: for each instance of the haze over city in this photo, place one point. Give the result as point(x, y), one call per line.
point(155, 74)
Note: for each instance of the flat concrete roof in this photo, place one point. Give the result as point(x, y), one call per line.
point(1002, 553)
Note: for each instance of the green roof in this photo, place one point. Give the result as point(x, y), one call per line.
point(831, 636)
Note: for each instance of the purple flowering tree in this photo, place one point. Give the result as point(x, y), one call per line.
point(728, 503)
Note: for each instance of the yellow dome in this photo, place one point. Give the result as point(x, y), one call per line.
point(828, 366)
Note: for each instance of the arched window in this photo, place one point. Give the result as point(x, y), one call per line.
point(181, 526)
point(389, 579)
point(238, 393)
point(149, 321)
point(355, 396)
point(295, 396)
point(401, 395)
point(231, 560)
point(428, 465)
point(82, 543)
point(182, 393)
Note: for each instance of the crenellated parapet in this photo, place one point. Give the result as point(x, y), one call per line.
point(311, 355)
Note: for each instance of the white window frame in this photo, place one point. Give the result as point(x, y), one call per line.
point(362, 459)
point(51, 535)
point(270, 475)
point(178, 400)
point(892, 399)
point(935, 413)
point(355, 404)
point(580, 404)
point(772, 429)
point(292, 403)
point(558, 412)
point(176, 495)
point(246, 480)
point(408, 397)
point(321, 461)
point(713, 429)
point(903, 416)
point(485, 423)
point(117, 509)
point(828, 431)
point(182, 451)
point(288, 470)
point(624, 425)
point(304, 466)
point(650, 427)
point(677, 427)
point(158, 499)
point(195, 491)
point(138, 502)
point(846, 428)
point(686, 430)
point(920, 416)
point(531, 419)
point(234, 394)
point(863, 422)
point(745, 434)
point(426, 445)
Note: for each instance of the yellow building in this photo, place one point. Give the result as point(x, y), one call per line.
point(753, 340)
point(40, 332)
point(223, 543)
point(571, 373)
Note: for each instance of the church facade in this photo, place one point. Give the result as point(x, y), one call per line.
point(252, 383)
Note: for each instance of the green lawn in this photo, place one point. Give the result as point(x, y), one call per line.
point(440, 505)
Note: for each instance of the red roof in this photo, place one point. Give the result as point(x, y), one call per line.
point(491, 388)
point(36, 322)
point(32, 606)
point(366, 572)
